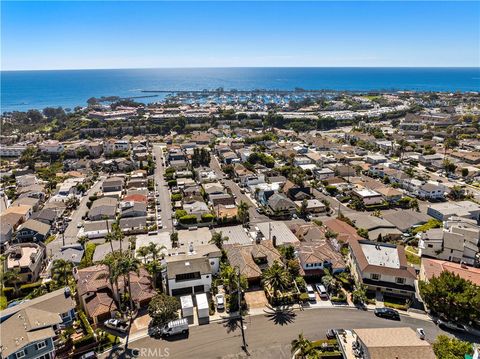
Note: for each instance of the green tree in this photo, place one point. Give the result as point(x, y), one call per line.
point(303, 348)
point(229, 277)
point(13, 277)
point(153, 268)
point(62, 272)
point(243, 213)
point(218, 239)
point(445, 347)
point(362, 232)
point(359, 295)
point(163, 308)
point(464, 172)
point(126, 265)
point(452, 297)
point(277, 278)
point(174, 239)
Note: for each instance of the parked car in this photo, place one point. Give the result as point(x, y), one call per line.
point(117, 324)
point(89, 355)
point(179, 326)
point(311, 293)
point(451, 325)
point(321, 291)
point(421, 333)
point(387, 313)
point(79, 225)
point(220, 301)
point(332, 333)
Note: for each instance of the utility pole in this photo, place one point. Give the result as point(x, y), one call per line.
point(239, 292)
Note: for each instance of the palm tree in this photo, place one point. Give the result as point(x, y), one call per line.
point(230, 279)
point(143, 252)
point(276, 277)
point(62, 271)
point(302, 347)
point(218, 239)
point(111, 261)
point(13, 277)
point(83, 240)
point(127, 264)
point(243, 214)
point(153, 268)
point(155, 250)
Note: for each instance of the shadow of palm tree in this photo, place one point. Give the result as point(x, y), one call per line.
point(120, 352)
point(282, 315)
point(231, 324)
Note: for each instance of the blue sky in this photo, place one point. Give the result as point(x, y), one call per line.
point(77, 35)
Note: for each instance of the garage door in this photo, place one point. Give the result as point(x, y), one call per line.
point(198, 289)
point(182, 291)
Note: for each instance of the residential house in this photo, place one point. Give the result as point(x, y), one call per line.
point(29, 329)
point(133, 209)
point(252, 259)
point(280, 205)
point(98, 296)
point(431, 191)
point(458, 241)
point(133, 225)
point(316, 256)
point(382, 343)
point(445, 210)
point(368, 196)
point(375, 159)
point(406, 220)
point(27, 259)
point(187, 274)
point(51, 147)
point(197, 208)
point(382, 267)
point(378, 228)
point(33, 230)
point(112, 184)
point(430, 268)
point(324, 173)
point(312, 206)
point(103, 208)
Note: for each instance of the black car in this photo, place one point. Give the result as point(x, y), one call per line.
point(387, 313)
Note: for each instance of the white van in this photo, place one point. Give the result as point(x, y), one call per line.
point(179, 326)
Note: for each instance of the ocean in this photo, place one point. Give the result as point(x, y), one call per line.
point(23, 90)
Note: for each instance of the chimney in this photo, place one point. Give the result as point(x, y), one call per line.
point(274, 241)
point(190, 247)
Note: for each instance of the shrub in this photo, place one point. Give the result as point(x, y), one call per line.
point(339, 299)
point(172, 183)
point(207, 217)
point(303, 297)
point(87, 259)
point(180, 213)
point(176, 197)
point(25, 289)
point(188, 219)
point(8, 292)
point(3, 302)
point(85, 323)
point(85, 340)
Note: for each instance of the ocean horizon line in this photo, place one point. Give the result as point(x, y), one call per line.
point(242, 67)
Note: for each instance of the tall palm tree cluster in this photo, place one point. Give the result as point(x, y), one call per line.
point(277, 278)
point(120, 265)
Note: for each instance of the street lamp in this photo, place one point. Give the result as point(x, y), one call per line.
point(240, 292)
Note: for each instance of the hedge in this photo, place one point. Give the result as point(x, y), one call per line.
point(339, 299)
point(85, 323)
point(207, 217)
point(188, 219)
point(26, 289)
point(8, 291)
point(85, 340)
point(87, 259)
point(3, 302)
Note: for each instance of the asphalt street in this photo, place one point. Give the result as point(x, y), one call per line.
point(72, 230)
point(164, 193)
point(268, 335)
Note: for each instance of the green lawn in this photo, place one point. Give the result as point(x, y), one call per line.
point(412, 258)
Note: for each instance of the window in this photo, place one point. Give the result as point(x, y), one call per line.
point(375, 276)
point(400, 280)
point(41, 345)
point(20, 354)
point(430, 246)
point(187, 276)
point(65, 315)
